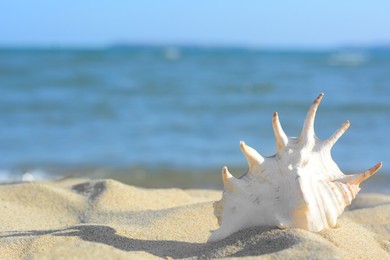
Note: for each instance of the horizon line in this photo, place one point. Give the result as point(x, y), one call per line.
point(124, 44)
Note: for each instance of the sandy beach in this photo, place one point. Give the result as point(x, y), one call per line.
point(92, 219)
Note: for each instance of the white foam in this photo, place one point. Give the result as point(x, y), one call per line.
point(172, 53)
point(348, 59)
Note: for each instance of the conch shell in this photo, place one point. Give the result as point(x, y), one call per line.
point(298, 187)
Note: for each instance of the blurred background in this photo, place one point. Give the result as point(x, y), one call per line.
point(159, 94)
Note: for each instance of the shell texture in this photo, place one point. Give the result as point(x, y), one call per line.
point(298, 187)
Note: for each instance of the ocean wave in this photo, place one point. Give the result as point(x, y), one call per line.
point(348, 59)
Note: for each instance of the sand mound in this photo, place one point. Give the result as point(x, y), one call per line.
point(106, 219)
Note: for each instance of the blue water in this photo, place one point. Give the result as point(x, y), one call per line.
point(185, 107)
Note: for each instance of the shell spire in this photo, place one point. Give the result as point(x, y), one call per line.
point(251, 155)
point(307, 133)
point(280, 136)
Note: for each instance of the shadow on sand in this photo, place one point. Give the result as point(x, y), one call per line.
point(249, 242)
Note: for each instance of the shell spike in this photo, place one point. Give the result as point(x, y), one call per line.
point(356, 179)
point(227, 179)
point(280, 136)
point(308, 126)
point(337, 134)
point(251, 155)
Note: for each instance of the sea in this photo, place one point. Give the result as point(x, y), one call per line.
point(172, 116)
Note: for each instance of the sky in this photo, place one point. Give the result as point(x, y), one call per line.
point(251, 23)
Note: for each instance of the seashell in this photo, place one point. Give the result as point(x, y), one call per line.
point(298, 187)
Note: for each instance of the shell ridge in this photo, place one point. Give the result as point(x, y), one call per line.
point(321, 209)
point(331, 212)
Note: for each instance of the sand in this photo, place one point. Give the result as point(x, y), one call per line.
point(105, 219)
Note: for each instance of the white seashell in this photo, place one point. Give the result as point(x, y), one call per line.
point(299, 187)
